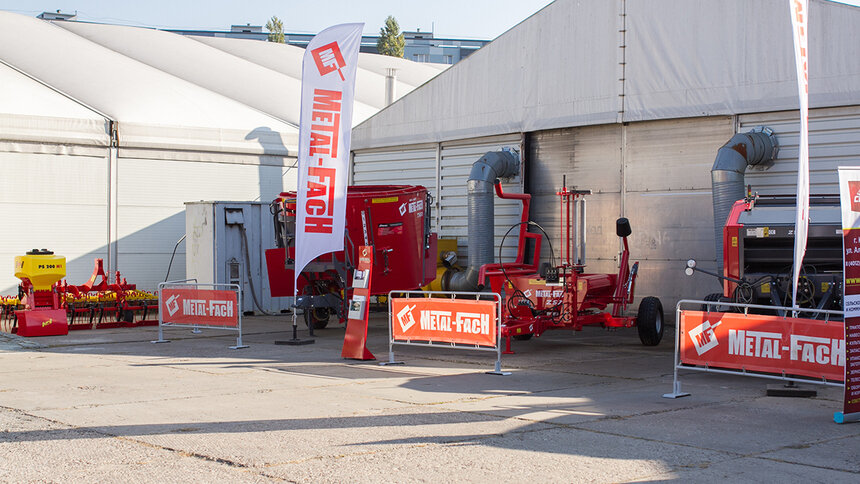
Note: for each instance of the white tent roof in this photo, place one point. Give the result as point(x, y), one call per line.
point(31, 108)
point(226, 65)
point(153, 109)
point(254, 84)
point(570, 65)
point(370, 77)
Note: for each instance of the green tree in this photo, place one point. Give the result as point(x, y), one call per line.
point(276, 30)
point(391, 40)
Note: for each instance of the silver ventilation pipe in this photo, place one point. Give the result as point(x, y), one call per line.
point(481, 218)
point(390, 86)
point(727, 175)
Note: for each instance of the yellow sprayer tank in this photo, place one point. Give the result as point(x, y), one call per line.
point(41, 267)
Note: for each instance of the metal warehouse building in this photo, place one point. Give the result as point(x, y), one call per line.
point(631, 99)
point(106, 131)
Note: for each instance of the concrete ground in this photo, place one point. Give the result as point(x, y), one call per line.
point(109, 406)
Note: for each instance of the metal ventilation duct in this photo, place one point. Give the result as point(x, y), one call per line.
point(727, 175)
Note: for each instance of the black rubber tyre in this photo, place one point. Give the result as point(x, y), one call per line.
point(649, 321)
point(522, 337)
point(317, 316)
point(714, 296)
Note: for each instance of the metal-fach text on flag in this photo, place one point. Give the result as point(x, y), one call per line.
point(799, 21)
point(328, 86)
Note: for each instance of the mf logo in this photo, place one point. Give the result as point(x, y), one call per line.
point(329, 59)
point(854, 193)
point(405, 318)
point(703, 336)
point(172, 304)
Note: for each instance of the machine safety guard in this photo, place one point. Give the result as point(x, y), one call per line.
point(193, 284)
point(460, 296)
point(678, 365)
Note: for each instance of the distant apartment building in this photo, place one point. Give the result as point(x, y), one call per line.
point(420, 46)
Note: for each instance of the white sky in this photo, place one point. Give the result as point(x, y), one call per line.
point(479, 19)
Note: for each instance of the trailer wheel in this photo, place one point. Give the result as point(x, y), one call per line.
point(316, 316)
point(649, 321)
point(713, 297)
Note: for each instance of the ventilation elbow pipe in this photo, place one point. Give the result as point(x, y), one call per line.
point(480, 194)
point(727, 175)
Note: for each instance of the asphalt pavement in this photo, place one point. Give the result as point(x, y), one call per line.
point(110, 406)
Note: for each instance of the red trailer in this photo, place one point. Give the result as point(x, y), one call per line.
point(563, 295)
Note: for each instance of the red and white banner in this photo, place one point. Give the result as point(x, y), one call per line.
point(199, 307)
point(849, 189)
point(444, 320)
point(328, 85)
point(799, 17)
point(769, 344)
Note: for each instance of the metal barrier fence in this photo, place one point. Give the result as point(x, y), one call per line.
point(711, 307)
point(453, 320)
point(195, 305)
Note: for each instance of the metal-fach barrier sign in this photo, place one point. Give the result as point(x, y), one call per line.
point(200, 305)
point(461, 320)
point(763, 346)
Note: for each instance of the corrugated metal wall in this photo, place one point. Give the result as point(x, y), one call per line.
point(668, 201)
point(655, 173)
point(834, 140)
point(53, 202)
point(457, 159)
point(443, 168)
point(411, 165)
point(590, 159)
point(151, 213)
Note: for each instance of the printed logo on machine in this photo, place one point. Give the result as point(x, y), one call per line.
point(329, 59)
point(703, 337)
point(854, 193)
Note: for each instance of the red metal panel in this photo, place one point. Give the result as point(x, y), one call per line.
point(42, 322)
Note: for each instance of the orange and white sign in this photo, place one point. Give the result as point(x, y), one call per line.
point(444, 321)
point(328, 87)
point(199, 307)
point(769, 344)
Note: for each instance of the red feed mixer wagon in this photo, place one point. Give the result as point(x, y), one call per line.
point(394, 219)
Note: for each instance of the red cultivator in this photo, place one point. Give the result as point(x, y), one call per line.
point(47, 306)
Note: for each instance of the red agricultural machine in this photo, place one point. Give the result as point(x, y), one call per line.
point(394, 219)
point(564, 295)
point(554, 295)
point(758, 254)
point(47, 305)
